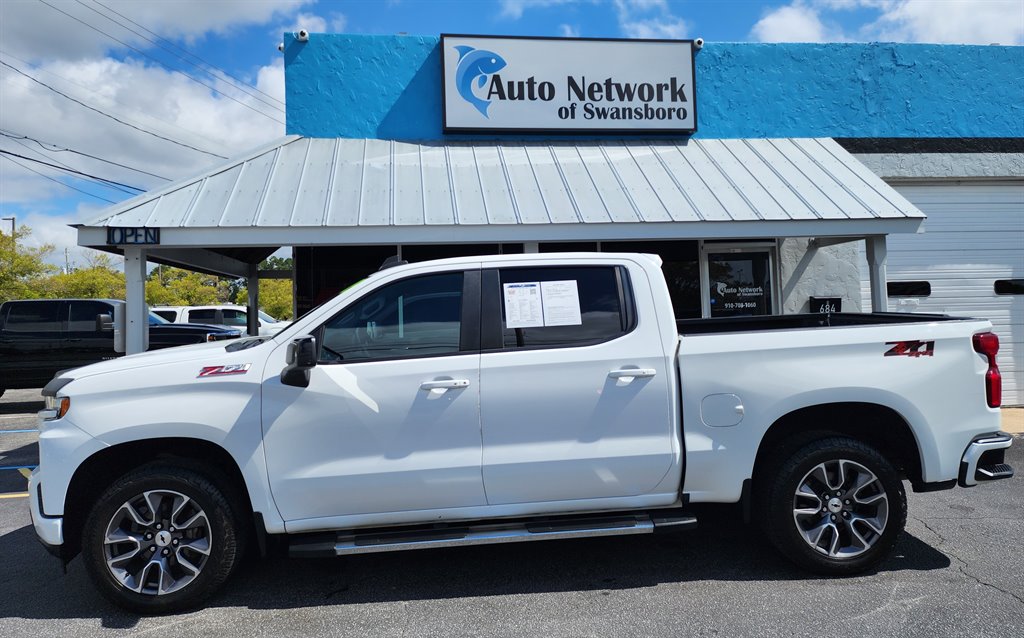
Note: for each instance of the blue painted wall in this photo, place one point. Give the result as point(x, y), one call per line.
point(389, 87)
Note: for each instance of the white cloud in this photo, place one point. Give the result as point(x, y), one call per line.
point(569, 30)
point(335, 23)
point(797, 22)
point(35, 31)
point(514, 8)
point(953, 22)
point(649, 19)
point(947, 22)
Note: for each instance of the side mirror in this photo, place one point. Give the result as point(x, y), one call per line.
point(104, 323)
point(301, 358)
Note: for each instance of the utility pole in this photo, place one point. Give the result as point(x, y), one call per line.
point(67, 264)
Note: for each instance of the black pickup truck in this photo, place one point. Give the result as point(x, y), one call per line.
point(39, 337)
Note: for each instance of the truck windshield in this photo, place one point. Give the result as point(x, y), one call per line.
point(155, 319)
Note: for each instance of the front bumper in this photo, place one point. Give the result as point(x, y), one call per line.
point(983, 460)
point(49, 529)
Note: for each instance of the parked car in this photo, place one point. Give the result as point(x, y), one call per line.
point(508, 398)
point(223, 315)
point(39, 337)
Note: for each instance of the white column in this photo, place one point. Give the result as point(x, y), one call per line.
point(531, 247)
point(876, 254)
point(252, 285)
point(136, 313)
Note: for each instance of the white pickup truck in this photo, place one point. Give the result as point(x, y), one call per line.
point(508, 398)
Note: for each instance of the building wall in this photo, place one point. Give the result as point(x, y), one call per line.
point(806, 271)
point(389, 87)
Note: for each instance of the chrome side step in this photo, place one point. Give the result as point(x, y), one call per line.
point(488, 533)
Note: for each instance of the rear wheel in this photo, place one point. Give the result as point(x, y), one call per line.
point(161, 539)
point(835, 506)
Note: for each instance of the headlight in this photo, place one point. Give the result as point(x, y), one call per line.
point(57, 407)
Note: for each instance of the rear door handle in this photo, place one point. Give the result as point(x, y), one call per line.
point(444, 384)
point(632, 372)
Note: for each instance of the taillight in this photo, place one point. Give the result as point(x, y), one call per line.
point(987, 343)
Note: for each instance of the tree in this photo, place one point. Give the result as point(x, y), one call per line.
point(168, 286)
point(101, 279)
point(21, 266)
point(275, 297)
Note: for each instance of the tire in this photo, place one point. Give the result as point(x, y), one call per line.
point(835, 506)
point(144, 563)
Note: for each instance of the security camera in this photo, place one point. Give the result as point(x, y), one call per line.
point(699, 43)
point(303, 35)
point(280, 47)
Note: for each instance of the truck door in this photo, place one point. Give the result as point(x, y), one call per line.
point(86, 344)
point(390, 419)
point(32, 342)
point(574, 397)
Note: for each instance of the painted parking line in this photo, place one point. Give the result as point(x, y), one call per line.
point(18, 467)
point(24, 471)
point(18, 431)
point(14, 495)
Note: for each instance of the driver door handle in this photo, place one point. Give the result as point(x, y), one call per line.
point(632, 372)
point(444, 384)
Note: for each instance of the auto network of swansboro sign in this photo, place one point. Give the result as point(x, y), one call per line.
point(567, 85)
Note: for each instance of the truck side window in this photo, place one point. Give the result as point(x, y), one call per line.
point(204, 315)
point(602, 307)
point(415, 317)
point(234, 317)
point(35, 316)
point(82, 317)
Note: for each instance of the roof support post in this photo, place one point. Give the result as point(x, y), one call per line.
point(877, 254)
point(136, 313)
point(252, 286)
point(531, 247)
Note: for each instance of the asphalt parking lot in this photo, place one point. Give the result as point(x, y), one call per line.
point(958, 571)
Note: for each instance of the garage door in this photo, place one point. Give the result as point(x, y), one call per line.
point(974, 238)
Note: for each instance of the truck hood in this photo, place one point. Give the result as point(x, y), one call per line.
point(208, 351)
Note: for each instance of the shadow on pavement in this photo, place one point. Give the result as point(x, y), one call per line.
point(21, 407)
point(34, 587)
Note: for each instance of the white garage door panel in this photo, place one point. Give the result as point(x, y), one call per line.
point(974, 235)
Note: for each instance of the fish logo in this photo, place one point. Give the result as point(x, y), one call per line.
point(475, 67)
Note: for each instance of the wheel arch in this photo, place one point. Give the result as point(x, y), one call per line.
point(879, 426)
point(101, 469)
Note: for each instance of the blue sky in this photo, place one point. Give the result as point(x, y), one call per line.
point(126, 58)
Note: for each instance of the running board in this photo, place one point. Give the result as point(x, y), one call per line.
point(486, 533)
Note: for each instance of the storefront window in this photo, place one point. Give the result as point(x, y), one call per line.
point(739, 283)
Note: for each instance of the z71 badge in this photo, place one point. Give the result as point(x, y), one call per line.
point(219, 371)
point(910, 349)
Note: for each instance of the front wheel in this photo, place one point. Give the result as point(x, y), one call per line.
point(160, 539)
point(835, 506)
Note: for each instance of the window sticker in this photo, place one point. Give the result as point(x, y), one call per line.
point(535, 304)
point(523, 305)
point(560, 301)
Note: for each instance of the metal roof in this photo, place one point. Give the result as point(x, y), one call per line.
point(308, 191)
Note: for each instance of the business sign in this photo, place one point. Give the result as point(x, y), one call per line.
point(563, 85)
point(117, 236)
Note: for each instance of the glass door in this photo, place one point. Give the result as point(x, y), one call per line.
point(738, 280)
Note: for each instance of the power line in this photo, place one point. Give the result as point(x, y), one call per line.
point(111, 186)
point(207, 66)
point(94, 92)
point(58, 149)
point(137, 128)
point(71, 170)
point(52, 179)
point(173, 70)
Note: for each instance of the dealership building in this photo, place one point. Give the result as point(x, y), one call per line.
point(770, 178)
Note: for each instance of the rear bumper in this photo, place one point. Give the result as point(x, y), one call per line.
point(983, 459)
point(49, 529)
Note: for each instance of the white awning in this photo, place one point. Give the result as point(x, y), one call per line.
point(312, 191)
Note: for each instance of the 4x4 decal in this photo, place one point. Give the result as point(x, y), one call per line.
point(910, 349)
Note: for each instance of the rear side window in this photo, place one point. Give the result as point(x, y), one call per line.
point(36, 316)
point(557, 307)
point(208, 315)
point(82, 317)
point(234, 317)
